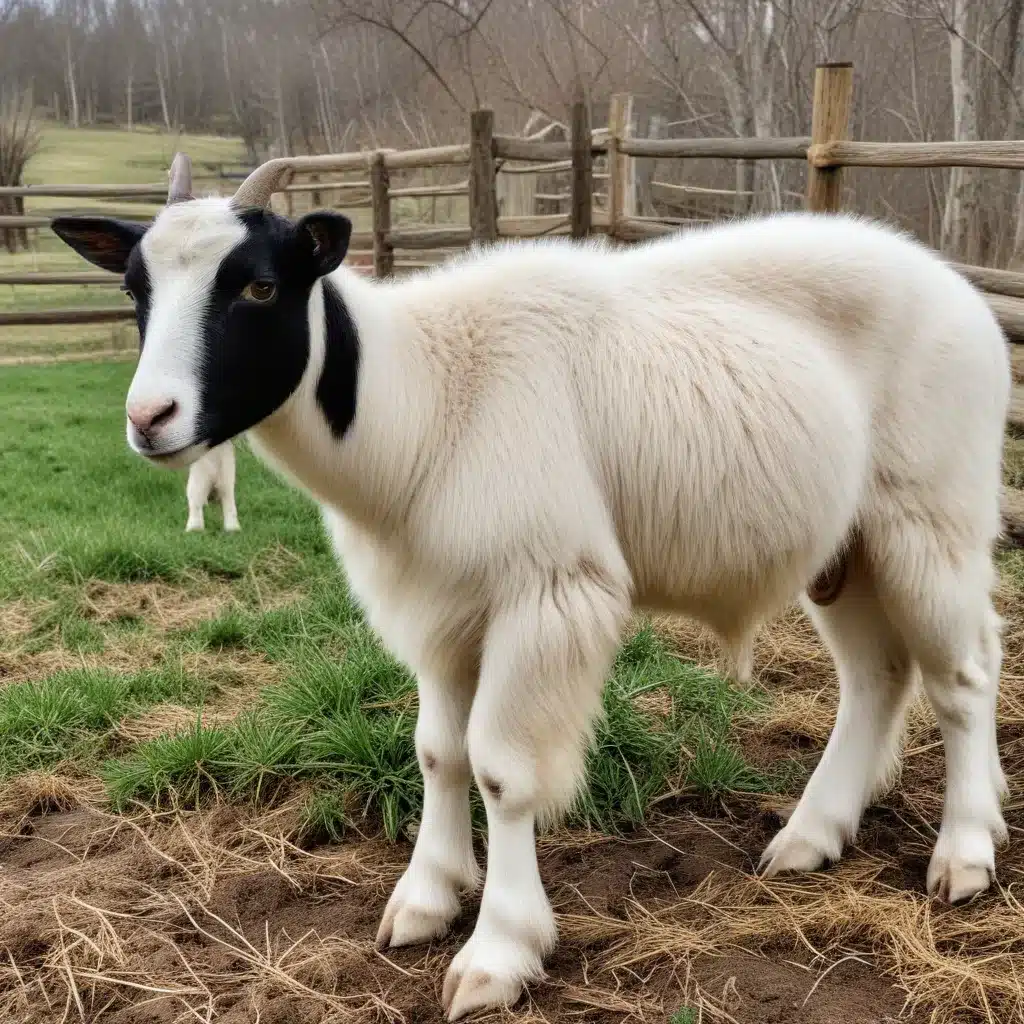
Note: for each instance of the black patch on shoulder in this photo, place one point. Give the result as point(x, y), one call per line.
point(338, 384)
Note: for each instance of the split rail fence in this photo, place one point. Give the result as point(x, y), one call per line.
point(604, 169)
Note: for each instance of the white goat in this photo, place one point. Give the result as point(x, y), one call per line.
point(213, 473)
point(514, 451)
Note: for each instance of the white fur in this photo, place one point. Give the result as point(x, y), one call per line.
point(548, 436)
point(213, 473)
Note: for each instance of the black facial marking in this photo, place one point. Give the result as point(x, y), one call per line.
point(336, 389)
point(255, 353)
point(136, 280)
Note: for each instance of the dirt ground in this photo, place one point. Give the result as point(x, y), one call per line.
point(198, 911)
point(218, 916)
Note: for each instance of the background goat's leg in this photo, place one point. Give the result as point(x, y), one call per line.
point(226, 487)
point(197, 490)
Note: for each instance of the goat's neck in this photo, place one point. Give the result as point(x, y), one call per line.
point(370, 474)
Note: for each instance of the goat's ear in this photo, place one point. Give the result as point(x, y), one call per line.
point(103, 241)
point(325, 237)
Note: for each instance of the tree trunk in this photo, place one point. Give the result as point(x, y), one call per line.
point(739, 113)
point(1015, 18)
point(282, 131)
point(162, 87)
point(228, 80)
point(960, 233)
point(761, 89)
point(69, 73)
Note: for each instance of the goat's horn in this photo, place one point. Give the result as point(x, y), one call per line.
point(180, 188)
point(261, 184)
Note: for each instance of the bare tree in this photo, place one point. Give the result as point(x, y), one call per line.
point(960, 223)
point(19, 140)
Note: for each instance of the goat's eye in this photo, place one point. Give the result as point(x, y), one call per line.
point(259, 291)
point(128, 292)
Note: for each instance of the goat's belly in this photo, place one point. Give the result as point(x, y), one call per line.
point(698, 538)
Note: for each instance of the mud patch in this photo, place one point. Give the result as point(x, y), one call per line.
point(170, 916)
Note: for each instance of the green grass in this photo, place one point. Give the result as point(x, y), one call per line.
point(80, 508)
point(70, 715)
point(116, 156)
point(683, 1016)
point(78, 505)
point(347, 726)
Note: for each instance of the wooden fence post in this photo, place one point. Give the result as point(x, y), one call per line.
point(830, 121)
point(644, 173)
point(380, 200)
point(289, 201)
point(621, 176)
point(483, 199)
point(582, 186)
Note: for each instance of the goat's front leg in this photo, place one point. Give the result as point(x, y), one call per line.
point(545, 661)
point(426, 899)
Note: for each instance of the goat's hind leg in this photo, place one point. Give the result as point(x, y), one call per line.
point(940, 601)
point(876, 676)
point(546, 657)
point(425, 900)
point(960, 654)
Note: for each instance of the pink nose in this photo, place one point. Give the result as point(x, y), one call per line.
point(150, 416)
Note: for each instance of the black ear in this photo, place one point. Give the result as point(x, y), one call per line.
point(325, 237)
point(103, 241)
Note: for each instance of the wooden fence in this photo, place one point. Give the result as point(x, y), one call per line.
point(605, 179)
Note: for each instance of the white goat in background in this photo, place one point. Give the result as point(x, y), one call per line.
point(515, 450)
point(212, 475)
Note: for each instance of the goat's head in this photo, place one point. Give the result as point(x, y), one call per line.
point(221, 290)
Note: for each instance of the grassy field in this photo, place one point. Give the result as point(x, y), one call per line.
point(208, 784)
point(94, 156)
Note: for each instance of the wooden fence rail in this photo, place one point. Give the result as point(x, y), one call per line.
point(1007, 155)
point(100, 277)
point(52, 317)
point(158, 191)
point(722, 149)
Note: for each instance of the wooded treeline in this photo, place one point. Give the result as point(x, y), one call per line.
point(325, 75)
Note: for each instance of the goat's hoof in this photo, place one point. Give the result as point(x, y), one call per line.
point(231, 527)
point(466, 991)
point(405, 925)
point(193, 528)
point(954, 883)
point(492, 969)
point(962, 865)
point(420, 909)
point(789, 851)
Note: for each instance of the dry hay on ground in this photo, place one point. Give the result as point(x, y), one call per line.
point(218, 916)
point(221, 915)
point(161, 605)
